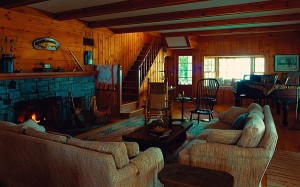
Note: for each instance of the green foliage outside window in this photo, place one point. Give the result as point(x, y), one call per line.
point(185, 64)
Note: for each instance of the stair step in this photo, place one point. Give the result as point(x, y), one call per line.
point(129, 96)
point(129, 84)
point(126, 115)
point(129, 92)
point(131, 78)
point(129, 106)
point(132, 72)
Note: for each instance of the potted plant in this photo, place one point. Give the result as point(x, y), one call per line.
point(7, 47)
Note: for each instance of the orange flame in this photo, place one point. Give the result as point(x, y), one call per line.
point(33, 117)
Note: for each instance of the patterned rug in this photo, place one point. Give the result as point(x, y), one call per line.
point(115, 131)
point(284, 169)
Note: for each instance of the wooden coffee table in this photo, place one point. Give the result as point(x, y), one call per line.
point(166, 144)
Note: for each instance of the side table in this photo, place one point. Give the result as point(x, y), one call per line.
point(178, 175)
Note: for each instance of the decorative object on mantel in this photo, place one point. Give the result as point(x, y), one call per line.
point(7, 47)
point(46, 44)
point(7, 63)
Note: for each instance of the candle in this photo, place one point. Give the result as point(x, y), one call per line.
point(182, 93)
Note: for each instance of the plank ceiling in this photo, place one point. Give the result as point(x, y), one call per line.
point(176, 19)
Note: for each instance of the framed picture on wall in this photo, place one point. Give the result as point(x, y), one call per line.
point(286, 63)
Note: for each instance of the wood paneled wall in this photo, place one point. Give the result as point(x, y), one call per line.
point(267, 45)
point(26, 25)
point(255, 44)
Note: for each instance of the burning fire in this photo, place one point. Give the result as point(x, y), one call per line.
point(33, 117)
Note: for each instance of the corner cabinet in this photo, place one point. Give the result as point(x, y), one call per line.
point(225, 96)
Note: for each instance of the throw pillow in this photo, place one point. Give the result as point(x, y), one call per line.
point(32, 124)
point(253, 132)
point(9, 126)
point(221, 115)
point(257, 113)
point(232, 113)
point(224, 136)
point(132, 148)
point(255, 106)
point(239, 122)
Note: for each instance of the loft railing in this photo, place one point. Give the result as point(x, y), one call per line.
point(148, 59)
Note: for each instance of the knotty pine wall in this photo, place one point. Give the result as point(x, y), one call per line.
point(267, 45)
point(26, 24)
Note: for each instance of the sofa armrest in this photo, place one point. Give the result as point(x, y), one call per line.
point(224, 151)
point(150, 159)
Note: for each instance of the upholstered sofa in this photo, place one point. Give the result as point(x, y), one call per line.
point(244, 151)
point(32, 157)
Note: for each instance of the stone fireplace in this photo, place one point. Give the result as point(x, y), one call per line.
point(47, 112)
point(50, 93)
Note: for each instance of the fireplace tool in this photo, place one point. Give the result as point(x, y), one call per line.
point(75, 60)
point(77, 116)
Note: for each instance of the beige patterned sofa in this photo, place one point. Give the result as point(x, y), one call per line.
point(32, 157)
point(244, 153)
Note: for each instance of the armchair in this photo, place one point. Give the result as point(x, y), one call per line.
point(158, 102)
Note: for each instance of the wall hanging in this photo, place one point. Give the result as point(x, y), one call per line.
point(46, 44)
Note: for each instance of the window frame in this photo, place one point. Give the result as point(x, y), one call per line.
point(191, 70)
point(217, 64)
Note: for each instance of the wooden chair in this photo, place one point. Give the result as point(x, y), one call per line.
point(206, 98)
point(157, 102)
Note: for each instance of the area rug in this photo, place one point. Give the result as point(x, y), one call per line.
point(284, 169)
point(115, 131)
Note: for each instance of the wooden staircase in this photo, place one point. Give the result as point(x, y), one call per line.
point(135, 77)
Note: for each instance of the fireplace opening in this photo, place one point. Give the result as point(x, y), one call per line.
point(47, 112)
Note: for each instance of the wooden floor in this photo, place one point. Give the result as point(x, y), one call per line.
point(288, 140)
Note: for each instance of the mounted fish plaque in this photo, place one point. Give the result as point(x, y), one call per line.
point(46, 44)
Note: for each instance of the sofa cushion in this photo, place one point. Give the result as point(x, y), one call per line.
point(116, 149)
point(232, 113)
point(9, 126)
point(132, 148)
point(252, 133)
point(255, 106)
point(43, 135)
point(239, 122)
point(32, 124)
point(221, 115)
point(204, 134)
point(224, 136)
point(217, 125)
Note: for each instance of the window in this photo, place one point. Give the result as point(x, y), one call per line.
point(225, 69)
point(185, 71)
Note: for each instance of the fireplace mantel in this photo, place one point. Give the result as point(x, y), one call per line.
point(14, 76)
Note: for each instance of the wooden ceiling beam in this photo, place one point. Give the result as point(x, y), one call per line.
point(123, 6)
point(206, 12)
point(225, 22)
point(265, 29)
point(282, 34)
point(16, 3)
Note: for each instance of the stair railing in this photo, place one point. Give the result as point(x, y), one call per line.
point(148, 60)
